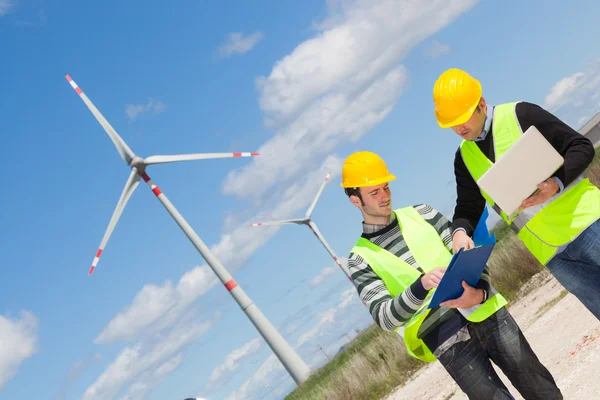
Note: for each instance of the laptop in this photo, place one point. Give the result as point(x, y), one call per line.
point(515, 176)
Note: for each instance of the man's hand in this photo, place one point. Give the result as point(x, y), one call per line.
point(470, 297)
point(460, 240)
point(547, 189)
point(432, 279)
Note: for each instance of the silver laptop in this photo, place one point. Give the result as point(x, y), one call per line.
point(515, 176)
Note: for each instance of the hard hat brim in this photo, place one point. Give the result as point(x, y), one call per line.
point(372, 182)
point(461, 119)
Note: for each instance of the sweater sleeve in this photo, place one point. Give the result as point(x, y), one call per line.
point(470, 203)
point(439, 221)
point(388, 312)
point(577, 150)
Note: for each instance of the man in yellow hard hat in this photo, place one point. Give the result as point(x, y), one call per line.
point(560, 225)
point(395, 266)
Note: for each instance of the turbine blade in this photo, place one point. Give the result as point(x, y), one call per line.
point(190, 157)
point(285, 221)
point(132, 183)
point(319, 236)
point(122, 148)
point(314, 203)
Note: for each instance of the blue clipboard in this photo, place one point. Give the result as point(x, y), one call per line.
point(481, 236)
point(466, 265)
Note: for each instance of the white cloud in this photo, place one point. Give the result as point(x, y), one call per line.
point(5, 6)
point(575, 98)
point(562, 89)
point(270, 372)
point(18, 342)
point(323, 275)
point(335, 87)
point(237, 43)
point(75, 372)
point(153, 302)
point(348, 297)
point(135, 110)
point(141, 366)
point(41, 20)
point(436, 49)
point(232, 363)
point(326, 318)
point(138, 391)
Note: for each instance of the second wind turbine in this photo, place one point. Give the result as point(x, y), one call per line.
point(307, 221)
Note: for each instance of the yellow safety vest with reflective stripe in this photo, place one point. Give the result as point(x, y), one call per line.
point(547, 227)
point(430, 252)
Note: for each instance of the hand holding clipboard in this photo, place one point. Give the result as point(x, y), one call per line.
point(465, 265)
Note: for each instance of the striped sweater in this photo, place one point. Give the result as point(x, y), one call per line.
point(443, 326)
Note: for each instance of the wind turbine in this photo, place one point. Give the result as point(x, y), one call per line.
point(311, 224)
point(295, 366)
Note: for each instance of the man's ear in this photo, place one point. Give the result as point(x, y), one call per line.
point(355, 200)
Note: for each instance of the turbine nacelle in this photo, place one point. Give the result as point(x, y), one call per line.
point(139, 164)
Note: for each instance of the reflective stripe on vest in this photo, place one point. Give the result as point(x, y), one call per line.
point(430, 252)
point(549, 226)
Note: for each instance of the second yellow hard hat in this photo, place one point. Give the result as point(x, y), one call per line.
point(455, 96)
point(364, 168)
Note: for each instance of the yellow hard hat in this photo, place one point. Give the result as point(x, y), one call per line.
point(455, 95)
point(364, 168)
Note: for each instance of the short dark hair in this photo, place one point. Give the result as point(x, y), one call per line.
point(354, 192)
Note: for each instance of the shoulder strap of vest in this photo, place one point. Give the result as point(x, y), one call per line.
point(505, 129)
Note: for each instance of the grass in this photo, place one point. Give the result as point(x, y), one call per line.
point(551, 303)
point(376, 362)
point(377, 358)
point(449, 396)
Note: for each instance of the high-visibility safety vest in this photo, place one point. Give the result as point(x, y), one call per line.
point(430, 252)
point(549, 226)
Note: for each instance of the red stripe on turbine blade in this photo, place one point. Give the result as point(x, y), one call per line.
point(156, 191)
point(237, 154)
point(91, 270)
point(254, 154)
point(78, 90)
point(335, 258)
point(99, 253)
point(68, 77)
point(230, 284)
point(145, 177)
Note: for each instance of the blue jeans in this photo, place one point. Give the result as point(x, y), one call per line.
point(577, 268)
point(500, 340)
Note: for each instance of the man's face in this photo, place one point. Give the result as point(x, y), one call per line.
point(377, 200)
point(472, 129)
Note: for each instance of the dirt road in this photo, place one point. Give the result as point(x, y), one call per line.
point(564, 335)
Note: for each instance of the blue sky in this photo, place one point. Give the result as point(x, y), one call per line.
point(303, 83)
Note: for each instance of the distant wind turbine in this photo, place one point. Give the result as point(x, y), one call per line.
point(295, 366)
point(311, 224)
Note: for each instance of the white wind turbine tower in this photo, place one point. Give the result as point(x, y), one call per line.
point(311, 224)
point(295, 366)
